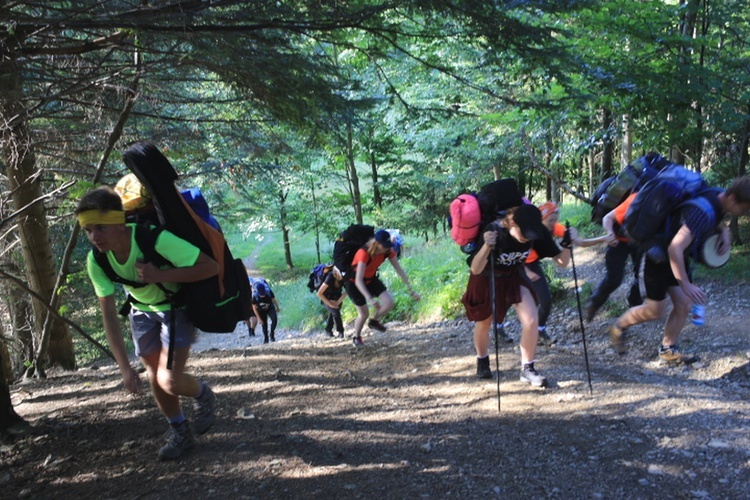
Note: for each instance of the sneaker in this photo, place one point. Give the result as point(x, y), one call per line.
point(376, 325)
point(483, 368)
point(179, 440)
point(531, 376)
point(672, 354)
point(617, 338)
point(544, 338)
point(358, 342)
point(204, 410)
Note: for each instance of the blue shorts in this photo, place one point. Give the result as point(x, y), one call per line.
point(150, 330)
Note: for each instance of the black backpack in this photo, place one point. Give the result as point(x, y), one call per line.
point(346, 245)
point(613, 191)
point(215, 304)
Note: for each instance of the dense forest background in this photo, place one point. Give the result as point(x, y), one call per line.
point(303, 116)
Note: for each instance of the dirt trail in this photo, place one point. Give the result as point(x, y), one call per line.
point(405, 417)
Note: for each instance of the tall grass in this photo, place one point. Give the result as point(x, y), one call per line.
point(437, 270)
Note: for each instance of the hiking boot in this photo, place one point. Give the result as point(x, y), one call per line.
point(617, 338)
point(265, 339)
point(251, 332)
point(179, 440)
point(358, 342)
point(329, 333)
point(591, 311)
point(204, 410)
point(531, 376)
point(672, 354)
point(483, 368)
point(273, 337)
point(544, 338)
point(376, 325)
point(340, 335)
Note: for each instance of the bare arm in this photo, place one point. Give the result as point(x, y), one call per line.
point(563, 258)
point(480, 259)
point(359, 280)
point(608, 223)
point(679, 244)
point(113, 331)
point(204, 267)
point(402, 274)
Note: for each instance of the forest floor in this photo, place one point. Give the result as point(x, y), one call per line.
point(405, 417)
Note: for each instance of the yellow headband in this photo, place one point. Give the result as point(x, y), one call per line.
point(101, 217)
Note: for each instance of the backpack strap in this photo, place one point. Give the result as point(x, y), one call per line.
point(145, 237)
point(707, 208)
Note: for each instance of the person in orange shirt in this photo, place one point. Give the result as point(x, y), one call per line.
point(366, 288)
point(618, 252)
point(534, 270)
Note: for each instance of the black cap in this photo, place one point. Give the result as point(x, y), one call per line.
point(529, 220)
point(384, 238)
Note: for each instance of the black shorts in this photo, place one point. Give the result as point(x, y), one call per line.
point(374, 286)
point(655, 280)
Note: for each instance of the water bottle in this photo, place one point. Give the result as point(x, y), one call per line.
point(699, 314)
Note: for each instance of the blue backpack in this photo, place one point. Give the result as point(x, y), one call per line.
point(650, 221)
point(318, 275)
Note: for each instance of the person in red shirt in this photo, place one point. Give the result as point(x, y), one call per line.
point(366, 288)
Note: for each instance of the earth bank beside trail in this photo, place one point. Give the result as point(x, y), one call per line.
point(404, 417)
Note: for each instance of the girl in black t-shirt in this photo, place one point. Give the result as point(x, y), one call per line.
point(508, 242)
point(332, 293)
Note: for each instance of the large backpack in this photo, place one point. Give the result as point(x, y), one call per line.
point(215, 304)
point(649, 220)
point(471, 212)
point(318, 275)
point(613, 191)
point(346, 245)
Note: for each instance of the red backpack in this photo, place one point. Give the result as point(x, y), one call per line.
point(465, 218)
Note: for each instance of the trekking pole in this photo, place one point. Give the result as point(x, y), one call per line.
point(494, 324)
point(580, 312)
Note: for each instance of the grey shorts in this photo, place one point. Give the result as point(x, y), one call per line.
point(150, 330)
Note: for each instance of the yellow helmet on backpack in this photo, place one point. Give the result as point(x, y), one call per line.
point(133, 194)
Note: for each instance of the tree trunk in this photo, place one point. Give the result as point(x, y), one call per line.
point(285, 229)
point(377, 198)
point(626, 155)
point(24, 181)
point(351, 169)
point(9, 419)
point(607, 146)
point(316, 218)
